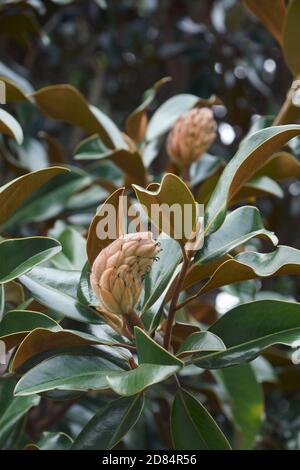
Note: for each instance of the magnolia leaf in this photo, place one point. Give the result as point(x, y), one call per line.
point(200, 341)
point(246, 400)
point(240, 226)
point(174, 203)
point(136, 380)
point(40, 340)
point(110, 425)
point(16, 191)
point(253, 152)
point(52, 441)
point(272, 13)
point(64, 102)
point(95, 242)
point(291, 37)
point(67, 372)
point(10, 126)
point(16, 325)
point(192, 427)
point(22, 254)
point(281, 166)
point(57, 290)
point(249, 329)
point(137, 121)
point(149, 352)
point(250, 265)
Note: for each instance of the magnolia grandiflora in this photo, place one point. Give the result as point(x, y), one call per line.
point(192, 134)
point(119, 269)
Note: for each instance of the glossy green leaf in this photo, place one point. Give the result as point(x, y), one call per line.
point(57, 290)
point(110, 425)
point(200, 341)
point(49, 200)
point(249, 329)
point(192, 427)
point(20, 255)
point(12, 409)
point(14, 193)
point(149, 352)
point(250, 265)
point(52, 441)
point(17, 323)
point(10, 126)
point(73, 254)
point(245, 397)
point(136, 380)
point(162, 271)
point(67, 372)
point(252, 154)
point(239, 227)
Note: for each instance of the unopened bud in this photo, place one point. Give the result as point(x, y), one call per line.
point(119, 269)
point(192, 134)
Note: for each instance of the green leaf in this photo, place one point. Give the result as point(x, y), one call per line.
point(291, 37)
point(249, 329)
point(16, 324)
point(52, 441)
point(136, 380)
point(57, 290)
point(73, 254)
point(239, 227)
point(10, 126)
point(128, 161)
point(67, 372)
point(12, 409)
point(49, 200)
point(192, 427)
point(110, 425)
point(200, 341)
point(162, 271)
point(252, 154)
point(149, 352)
point(22, 254)
point(14, 193)
point(250, 265)
point(246, 400)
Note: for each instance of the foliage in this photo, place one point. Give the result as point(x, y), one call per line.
point(187, 374)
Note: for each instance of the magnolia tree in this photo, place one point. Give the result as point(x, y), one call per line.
point(106, 335)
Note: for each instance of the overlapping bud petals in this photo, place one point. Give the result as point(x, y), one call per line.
point(119, 269)
point(192, 134)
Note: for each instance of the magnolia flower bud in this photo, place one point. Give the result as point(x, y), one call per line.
point(192, 134)
point(118, 271)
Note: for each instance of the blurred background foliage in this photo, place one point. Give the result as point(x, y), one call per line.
point(114, 50)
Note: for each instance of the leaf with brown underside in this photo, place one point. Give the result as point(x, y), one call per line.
point(94, 243)
point(14, 193)
point(291, 37)
point(281, 166)
point(137, 121)
point(272, 14)
point(41, 340)
point(66, 103)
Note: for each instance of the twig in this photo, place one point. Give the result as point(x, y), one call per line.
point(288, 103)
point(173, 305)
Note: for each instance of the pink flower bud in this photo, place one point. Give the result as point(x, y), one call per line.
point(192, 134)
point(119, 269)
